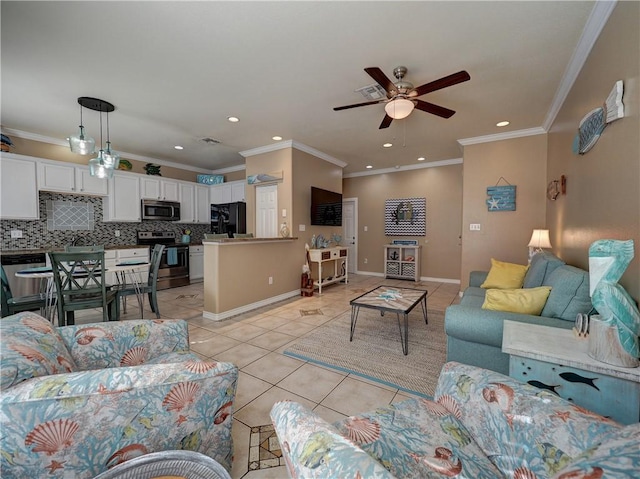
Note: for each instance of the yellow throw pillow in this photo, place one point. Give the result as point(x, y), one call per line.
point(505, 275)
point(525, 301)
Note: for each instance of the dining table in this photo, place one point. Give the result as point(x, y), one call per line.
point(126, 272)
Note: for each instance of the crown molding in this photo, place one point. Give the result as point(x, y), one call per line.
point(507, 135)
point(592, 29)
point(131, 156)
point(431, 164)
point(230, 169)
point(281, 145)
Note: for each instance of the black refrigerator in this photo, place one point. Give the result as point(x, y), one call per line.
point(229, 218)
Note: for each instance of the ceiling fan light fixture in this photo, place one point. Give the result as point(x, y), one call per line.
point(399, 108)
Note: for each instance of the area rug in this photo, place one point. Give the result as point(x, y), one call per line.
point(376, 351)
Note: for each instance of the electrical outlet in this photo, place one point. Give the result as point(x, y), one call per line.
point(366, 261)
point(270, 279)
point(474, 226)
point(302, 227)
point(16, 233)
point(366, 228)
point(117, 233)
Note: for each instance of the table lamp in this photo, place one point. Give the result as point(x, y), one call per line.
point(539, 239)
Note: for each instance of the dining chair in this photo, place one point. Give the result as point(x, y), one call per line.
point(243, 235)
point(84, 249)
point(80, 284)
point(150, 288)
point(11, 305)
point(215, 236)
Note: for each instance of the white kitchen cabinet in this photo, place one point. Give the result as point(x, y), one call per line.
point(202, 204)
point(187, 203)
point(123, 202)
point(196, 263)
point(157, 189)
point(228, 192)
point(237, 191)
point(221, 193)
point(19, 193)
point(67, 178)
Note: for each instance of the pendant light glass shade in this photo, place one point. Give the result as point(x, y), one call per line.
point(98, 167)
point(82, 144)
point(399, 108)
point(111, 158)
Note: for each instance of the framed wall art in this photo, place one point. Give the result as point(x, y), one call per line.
point(405, 217)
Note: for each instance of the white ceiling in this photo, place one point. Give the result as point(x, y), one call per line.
point(176, 70)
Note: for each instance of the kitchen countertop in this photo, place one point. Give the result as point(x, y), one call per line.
point(46, 250)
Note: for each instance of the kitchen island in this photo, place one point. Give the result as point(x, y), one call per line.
point(242, 274)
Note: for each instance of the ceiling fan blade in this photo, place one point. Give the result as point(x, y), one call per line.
point(434, 109)
point(355, 105)
point(382, 80)
point(386, 121)
point(443, 82)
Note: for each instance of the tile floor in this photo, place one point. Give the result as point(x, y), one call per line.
point(255, 342)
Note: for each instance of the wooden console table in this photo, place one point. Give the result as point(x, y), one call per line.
point(336, 254)
point(554, 359)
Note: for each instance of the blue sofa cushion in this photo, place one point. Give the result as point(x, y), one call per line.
point(542, 265)
point(569, 293)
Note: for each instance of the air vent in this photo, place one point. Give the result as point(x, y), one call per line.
point(373, 92)
point(211, 141)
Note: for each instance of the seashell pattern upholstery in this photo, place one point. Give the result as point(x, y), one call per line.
point(480, 424)
point(78, 400)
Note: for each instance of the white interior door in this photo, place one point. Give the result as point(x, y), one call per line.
point(350, 231)
point(267, 211)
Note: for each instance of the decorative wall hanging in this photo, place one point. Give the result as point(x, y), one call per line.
point(553, 190)
point(595, 121)
point(501, 198)
point(265, 177)
point(210, 179)
point(152, 169)
point(405, 217)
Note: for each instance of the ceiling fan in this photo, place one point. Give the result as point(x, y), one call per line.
point(402, 97)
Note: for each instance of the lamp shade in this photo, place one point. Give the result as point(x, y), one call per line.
point(399, 108)
point(540, 239)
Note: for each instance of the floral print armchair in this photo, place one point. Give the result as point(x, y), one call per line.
point(77, 400)
point(481, 424)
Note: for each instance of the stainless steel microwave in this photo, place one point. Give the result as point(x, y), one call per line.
point(160, 210)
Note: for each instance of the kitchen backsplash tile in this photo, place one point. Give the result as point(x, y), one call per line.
point(36, 234)
point(67, 215)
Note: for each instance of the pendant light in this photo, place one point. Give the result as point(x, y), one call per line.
point(111, 158)
point(97, 165)
point(82, 144)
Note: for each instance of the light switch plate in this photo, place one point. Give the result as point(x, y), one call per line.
point(16, 233)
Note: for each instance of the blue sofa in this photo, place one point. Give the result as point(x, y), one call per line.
point(480, 425)
point(474, 335)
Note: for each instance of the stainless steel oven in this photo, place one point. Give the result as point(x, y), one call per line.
point(160, 210)
point(174, 265)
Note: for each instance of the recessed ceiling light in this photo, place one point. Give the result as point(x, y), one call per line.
point(502, 123)
point(388, 145)
point(369, 167)
point(233, 119)
point(178, 147)
point(276, 138)
point(422, 158)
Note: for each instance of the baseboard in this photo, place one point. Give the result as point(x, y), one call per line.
point(249, 307)
point(422, 278)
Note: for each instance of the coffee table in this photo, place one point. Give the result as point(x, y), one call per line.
point(393, 300)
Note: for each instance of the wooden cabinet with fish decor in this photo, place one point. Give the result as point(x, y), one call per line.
point(556, 360)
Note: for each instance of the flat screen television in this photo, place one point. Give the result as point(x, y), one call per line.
point(326, 207)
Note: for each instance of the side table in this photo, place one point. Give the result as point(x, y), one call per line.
point(554, 359)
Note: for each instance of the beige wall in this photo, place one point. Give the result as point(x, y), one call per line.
point(237, 274)
point(442, 188)
point(273, 161)
point(62, 153)
point(504, 235)
point(603, 186)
